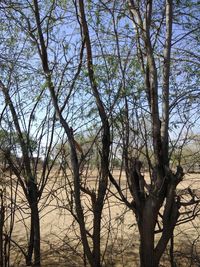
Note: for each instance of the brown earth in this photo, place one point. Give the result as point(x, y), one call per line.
point(60, 238)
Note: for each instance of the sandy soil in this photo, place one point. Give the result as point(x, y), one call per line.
point(60, 236)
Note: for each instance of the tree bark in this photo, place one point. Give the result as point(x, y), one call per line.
point(31, 243)
point(2, 215)
point(146, 225)
point(35, 223)
point(166, 75)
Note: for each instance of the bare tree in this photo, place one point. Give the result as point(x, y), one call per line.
point(103, 67)
point(160, 194)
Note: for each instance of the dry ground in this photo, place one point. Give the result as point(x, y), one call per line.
point(60, 236)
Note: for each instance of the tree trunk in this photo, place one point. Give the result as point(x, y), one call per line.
point(2, 214)
point(97, 220)
point(146, 226)
point(34, 243)
point(171, 252)
point(96, 239)
point(36, 236)
point(31, 243)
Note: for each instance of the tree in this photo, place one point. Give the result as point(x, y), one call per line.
point(115, 67)
point(27, 127)
point(160, 194)
point(26, 166)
